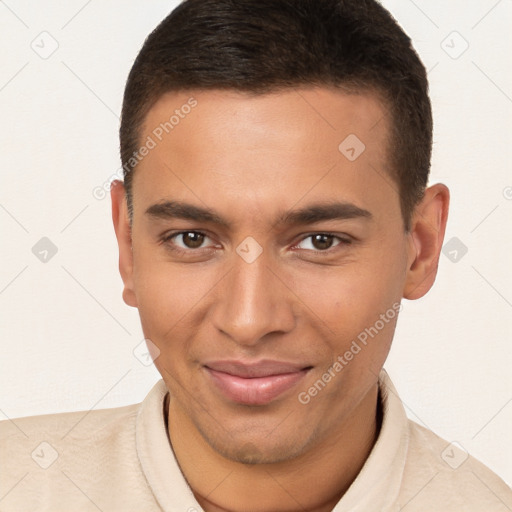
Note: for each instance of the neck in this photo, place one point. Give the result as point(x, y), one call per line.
point(314, 481)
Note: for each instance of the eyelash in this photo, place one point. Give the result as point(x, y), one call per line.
point(187, 252)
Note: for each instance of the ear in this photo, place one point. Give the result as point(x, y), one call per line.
point(124, 240)
point(426, 240)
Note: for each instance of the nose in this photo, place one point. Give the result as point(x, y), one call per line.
point(253, 302)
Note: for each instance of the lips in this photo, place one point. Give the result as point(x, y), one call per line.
point(254, 383)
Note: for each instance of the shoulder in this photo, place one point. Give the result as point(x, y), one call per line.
point(68, 427)
point(39, 439)
point(68, 455)
point(442, 475)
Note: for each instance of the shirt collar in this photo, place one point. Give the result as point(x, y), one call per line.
point(156, 455)
point(377, 485)
point(375, 488)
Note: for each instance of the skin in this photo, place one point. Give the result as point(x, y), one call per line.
point(251, 159)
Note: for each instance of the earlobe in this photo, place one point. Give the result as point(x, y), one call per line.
point(426, 238)
point(124, 240)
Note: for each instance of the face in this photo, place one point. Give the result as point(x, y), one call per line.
point(268, 259)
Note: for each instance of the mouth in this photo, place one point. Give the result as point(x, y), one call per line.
point(255, 383)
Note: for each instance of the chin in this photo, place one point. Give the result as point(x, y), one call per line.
point(251, 449)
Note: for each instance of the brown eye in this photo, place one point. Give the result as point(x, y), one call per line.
point(322, 242)
point(185, 240)
point(189, 243)
point(192, 239)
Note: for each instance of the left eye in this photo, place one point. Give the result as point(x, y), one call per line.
point(321, 242)
point(189, 239)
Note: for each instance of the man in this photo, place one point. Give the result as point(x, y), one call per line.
point(274, 213)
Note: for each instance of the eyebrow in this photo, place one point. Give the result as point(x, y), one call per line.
point(307, 215)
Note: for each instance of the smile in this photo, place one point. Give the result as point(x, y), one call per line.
point(255, 384)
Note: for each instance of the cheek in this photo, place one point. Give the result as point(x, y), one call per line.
point(348, 302)
point(163, 288)
point(162, 295)
point(165, 305)
point(352, 294)
point(172, 302)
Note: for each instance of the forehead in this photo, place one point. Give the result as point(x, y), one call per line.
point(261, 151)
point(287, 114)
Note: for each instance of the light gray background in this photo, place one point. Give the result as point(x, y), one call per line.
point(67, 340)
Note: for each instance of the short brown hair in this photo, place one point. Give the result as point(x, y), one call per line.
point(261, 46)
